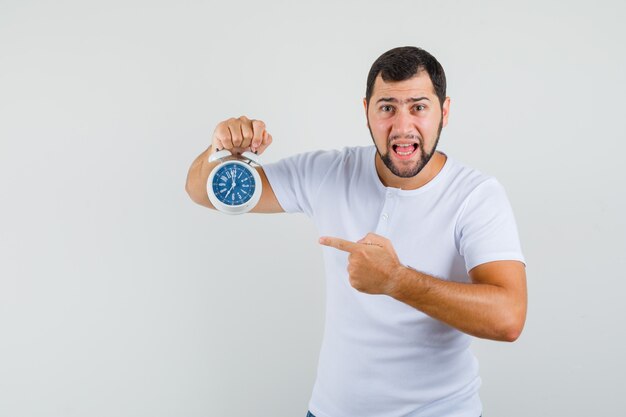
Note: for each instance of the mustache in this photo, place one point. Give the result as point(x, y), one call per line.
point(416, 138)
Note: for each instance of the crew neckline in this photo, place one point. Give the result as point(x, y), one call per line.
point(430, 184)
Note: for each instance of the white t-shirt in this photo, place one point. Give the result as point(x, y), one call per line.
point(381, 357)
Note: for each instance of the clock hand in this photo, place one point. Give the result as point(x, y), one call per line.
point(231, 188)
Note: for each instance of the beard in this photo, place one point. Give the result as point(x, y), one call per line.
point(411, 170)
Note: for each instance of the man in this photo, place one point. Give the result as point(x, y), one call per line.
point(421, 251)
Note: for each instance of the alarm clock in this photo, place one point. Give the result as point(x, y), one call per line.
point(234, 186)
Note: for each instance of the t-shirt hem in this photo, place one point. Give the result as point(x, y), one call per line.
point(502, 256)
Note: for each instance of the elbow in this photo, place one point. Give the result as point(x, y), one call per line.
point(198, 198)
point(189, 192)
point(188, 187)
point(512, 330)
point(511, 335)
point(192, 193)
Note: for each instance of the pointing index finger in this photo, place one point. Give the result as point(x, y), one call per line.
point(338, 243)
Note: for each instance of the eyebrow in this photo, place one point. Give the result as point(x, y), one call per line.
point(395, 100)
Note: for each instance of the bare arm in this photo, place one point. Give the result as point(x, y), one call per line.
point(493, 306)
point(236, 135)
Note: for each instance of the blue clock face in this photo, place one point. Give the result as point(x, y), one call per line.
point(233, 184)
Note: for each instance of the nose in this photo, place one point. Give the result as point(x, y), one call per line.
point(403, 124)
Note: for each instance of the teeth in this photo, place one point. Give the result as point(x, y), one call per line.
point(404, 146)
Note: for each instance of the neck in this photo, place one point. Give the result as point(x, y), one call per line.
point(430, 171)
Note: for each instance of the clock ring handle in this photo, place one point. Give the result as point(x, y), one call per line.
point(219, 154)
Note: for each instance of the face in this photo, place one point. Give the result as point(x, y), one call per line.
point(405, 120)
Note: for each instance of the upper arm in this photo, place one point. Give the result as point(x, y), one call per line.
point(268, 202)
point(509, 275)
point(295, 181)
point(486, 229)
point(506, 274)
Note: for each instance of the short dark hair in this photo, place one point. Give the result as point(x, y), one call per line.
point(399, 64)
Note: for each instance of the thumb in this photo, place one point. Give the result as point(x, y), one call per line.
point(373, 239)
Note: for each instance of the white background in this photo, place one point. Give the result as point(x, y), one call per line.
point(121, 297)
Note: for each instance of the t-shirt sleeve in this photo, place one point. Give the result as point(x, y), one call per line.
point(486, 228)
point(296, 180)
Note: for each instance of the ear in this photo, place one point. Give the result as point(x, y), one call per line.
point(445, 111)
point(365, 107)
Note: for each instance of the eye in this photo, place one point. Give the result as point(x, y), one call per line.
point(420, 107)
point(386, 108)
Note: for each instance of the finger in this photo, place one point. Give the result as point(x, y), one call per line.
point(246, 132)
point(217, 144)
point(367, 240)
point(221, 137)
point(234, 127)
point(267, 141)
point(341, 244)
point(246, 135)
point(351, 258)
point(258, 129)
point(375, 239)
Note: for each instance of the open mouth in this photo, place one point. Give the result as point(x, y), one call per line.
point(405, 150)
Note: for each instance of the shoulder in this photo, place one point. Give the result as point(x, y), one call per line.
point(464, 180)
point(347, 153)
point(481, 197)
point(329, 159)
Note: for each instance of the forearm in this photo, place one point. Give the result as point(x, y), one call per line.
point(482, 310)
point(197, 178)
